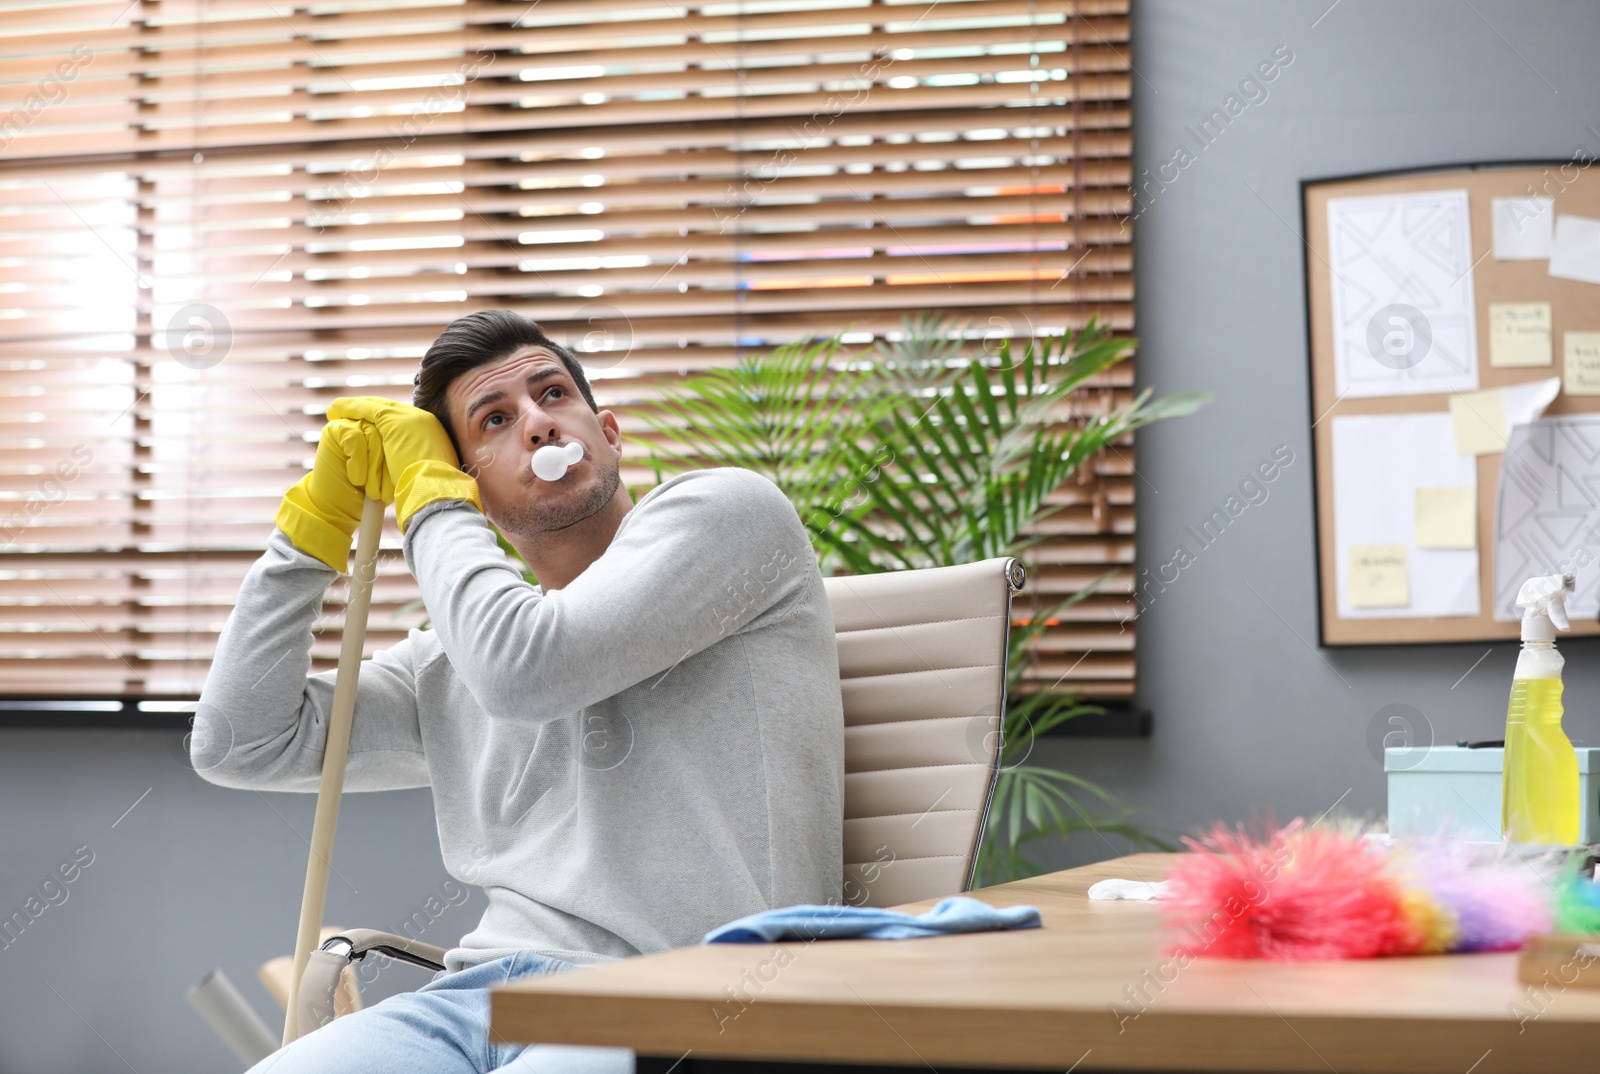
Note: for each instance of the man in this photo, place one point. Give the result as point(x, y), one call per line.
point(646, 745)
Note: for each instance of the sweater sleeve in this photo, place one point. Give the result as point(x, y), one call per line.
point(262, 720)
point(702, 556)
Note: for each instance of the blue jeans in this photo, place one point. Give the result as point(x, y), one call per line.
point(442, 1028)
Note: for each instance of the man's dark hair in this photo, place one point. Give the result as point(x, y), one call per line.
point(478, 339)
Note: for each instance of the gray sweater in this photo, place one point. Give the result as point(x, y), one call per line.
point(622, 764)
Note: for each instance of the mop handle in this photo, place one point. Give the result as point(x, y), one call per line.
point(336, 751)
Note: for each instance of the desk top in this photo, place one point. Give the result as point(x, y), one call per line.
point(1091, 987)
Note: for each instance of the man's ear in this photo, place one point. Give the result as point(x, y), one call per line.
point(609, 426)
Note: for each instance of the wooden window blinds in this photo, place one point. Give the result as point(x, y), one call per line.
point(218, 215)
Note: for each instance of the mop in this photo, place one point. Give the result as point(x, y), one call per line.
point(313, 899)
point(549, 463)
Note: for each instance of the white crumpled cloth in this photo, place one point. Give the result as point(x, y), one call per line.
point(1141, 890)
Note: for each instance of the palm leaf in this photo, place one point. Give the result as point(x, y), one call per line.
point(787, 415)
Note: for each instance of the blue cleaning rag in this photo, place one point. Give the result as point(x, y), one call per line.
point(957, 913)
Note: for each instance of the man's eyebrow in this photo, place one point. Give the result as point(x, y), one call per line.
point(497, 395)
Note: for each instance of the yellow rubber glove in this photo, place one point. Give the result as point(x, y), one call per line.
point(417, 453)
point(322, 512)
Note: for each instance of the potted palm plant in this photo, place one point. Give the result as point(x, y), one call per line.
point(924, 455)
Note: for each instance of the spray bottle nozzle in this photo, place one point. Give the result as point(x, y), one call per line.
point(1542, 602)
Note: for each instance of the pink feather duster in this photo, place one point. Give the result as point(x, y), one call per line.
point(1300, 893)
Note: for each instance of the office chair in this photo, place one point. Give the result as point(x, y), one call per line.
point(922, 674)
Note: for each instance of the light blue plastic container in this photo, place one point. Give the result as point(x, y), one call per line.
point(1454, 790)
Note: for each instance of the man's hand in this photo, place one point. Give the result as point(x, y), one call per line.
point(418, 461)
point(322, 512)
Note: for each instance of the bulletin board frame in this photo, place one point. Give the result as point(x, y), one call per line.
point(1574, 186)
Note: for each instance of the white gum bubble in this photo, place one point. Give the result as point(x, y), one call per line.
point(551, 463)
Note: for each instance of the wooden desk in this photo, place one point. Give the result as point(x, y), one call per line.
point(1065, 996)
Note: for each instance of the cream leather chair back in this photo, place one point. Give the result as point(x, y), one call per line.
point(922, 670)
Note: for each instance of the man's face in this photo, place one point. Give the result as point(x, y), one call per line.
point(503, 412)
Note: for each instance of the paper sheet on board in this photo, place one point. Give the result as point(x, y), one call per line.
point(1575, 254)
point(1523, 228)
point(1547, 518)
point(1379, 463)
point(1403, 315)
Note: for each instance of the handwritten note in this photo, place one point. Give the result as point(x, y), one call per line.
point(1446, 518)
point(1519, 333)
point(1378, 576)
point(1580, 358)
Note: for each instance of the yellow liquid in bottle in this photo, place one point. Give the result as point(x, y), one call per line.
point(1541, 769)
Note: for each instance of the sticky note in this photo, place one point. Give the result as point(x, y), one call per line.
point(1378, 576)
point(1575, 253)
point(1580, 363)
point(1446, 518)
point(1480, 422)
point(1523, 228)
point(1519, 333)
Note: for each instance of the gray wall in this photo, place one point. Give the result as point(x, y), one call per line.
point(190, 878)
point(1250, 716)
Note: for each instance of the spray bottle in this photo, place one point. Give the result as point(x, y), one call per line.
point(1540, 803)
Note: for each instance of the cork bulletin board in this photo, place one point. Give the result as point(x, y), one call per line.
point(1453, 319)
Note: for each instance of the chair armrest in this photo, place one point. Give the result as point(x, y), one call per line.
point(403, 948)
point(320, 981)
point(274, 976)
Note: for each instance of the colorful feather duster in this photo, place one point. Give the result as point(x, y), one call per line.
point(1338, 891)
point(1578, 906)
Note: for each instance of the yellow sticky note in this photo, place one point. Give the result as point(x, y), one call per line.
point(1480, 421)
point(1378, 576)
point(1446, 518)
point(1519, 333)
point(1580, 373)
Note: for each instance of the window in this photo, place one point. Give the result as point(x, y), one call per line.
point(218, 215)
